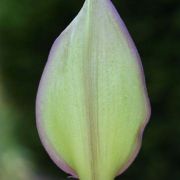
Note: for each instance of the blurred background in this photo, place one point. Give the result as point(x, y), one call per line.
point(27, 31)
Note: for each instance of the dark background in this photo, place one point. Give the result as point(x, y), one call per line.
point(27, 31)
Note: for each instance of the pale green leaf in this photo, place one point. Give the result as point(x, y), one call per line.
point(92, 105)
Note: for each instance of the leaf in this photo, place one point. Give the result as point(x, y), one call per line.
point(92, 103)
